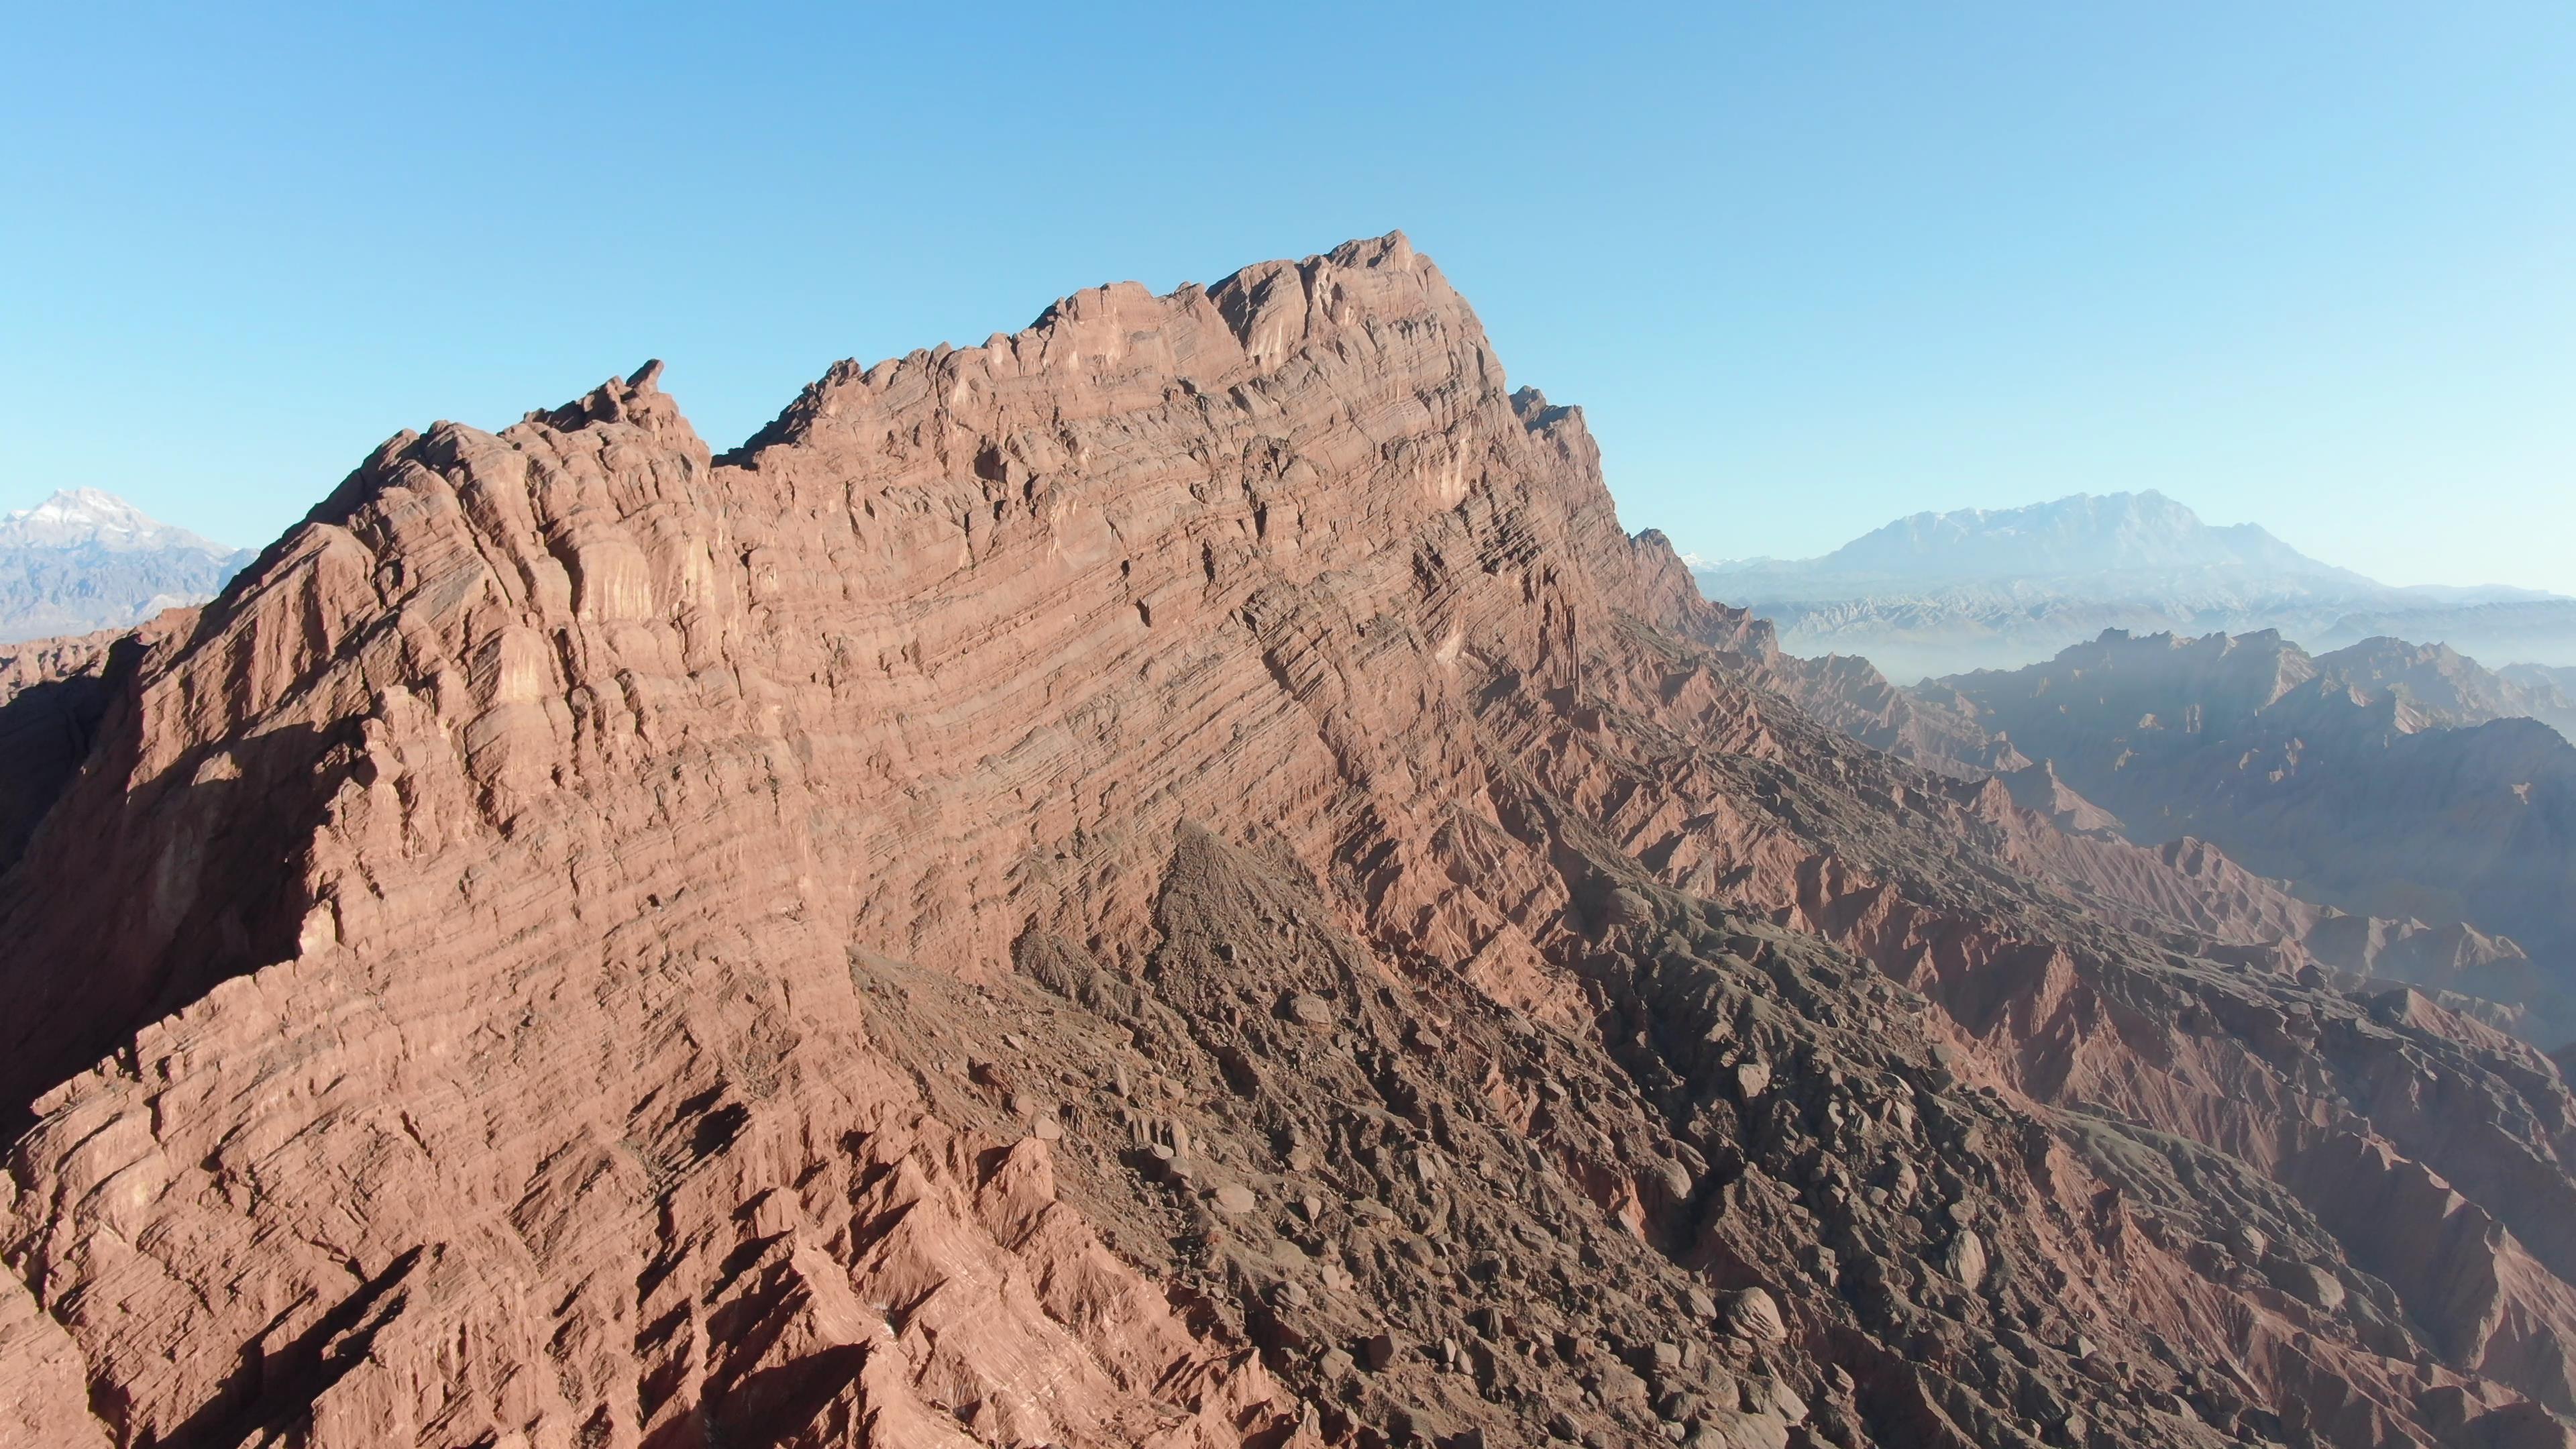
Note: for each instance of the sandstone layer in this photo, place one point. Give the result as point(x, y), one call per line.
point(1173, 878)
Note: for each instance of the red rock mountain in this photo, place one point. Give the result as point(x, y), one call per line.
point(1174, 878)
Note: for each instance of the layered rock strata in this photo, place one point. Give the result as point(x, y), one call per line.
point(1176, 879)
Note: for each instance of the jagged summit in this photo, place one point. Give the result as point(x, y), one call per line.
point(1263, 311)
point(638, 395)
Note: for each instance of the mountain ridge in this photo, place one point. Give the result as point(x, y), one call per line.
point(2387, 779)
point(2078, 533)
point(1175, 879)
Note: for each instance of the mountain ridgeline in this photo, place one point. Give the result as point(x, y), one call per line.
point(1172, 879)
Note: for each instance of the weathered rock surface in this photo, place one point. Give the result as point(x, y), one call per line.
point(1170, 879)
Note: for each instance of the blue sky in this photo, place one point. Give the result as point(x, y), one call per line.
point(1806, 266)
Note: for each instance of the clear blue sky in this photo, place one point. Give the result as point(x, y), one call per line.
point(1807, 266)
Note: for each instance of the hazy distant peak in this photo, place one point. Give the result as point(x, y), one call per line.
point(1981, 588)
point(2081, 533)
point(92, 517)
point(85, 559)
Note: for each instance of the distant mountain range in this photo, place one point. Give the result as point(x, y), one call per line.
point(2129, 672)
point(1940, 593)
point(2562, 678)
point(84, 560)
point(2402, 785)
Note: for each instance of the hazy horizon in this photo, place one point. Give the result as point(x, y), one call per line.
point(1717, 562)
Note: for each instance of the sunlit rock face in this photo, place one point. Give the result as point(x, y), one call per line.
point(1174, 878)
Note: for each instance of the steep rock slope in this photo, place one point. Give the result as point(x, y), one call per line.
point(1173, 879)
point(2561, 678)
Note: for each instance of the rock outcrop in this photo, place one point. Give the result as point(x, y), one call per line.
point(1173, 878)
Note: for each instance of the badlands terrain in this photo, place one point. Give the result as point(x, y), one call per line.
point(1174, 878)
point(2422, 808)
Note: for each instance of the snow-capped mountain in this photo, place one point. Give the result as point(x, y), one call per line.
point(85, 560)
point(78, 517)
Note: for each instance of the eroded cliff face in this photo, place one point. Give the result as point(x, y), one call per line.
point(1173, 879)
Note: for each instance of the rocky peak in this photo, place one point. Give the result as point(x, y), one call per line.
point(1121, 343)
point(1172, 879)
point(2443, 688)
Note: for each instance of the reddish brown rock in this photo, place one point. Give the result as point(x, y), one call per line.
point(44, 1398)
point(577, 946)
